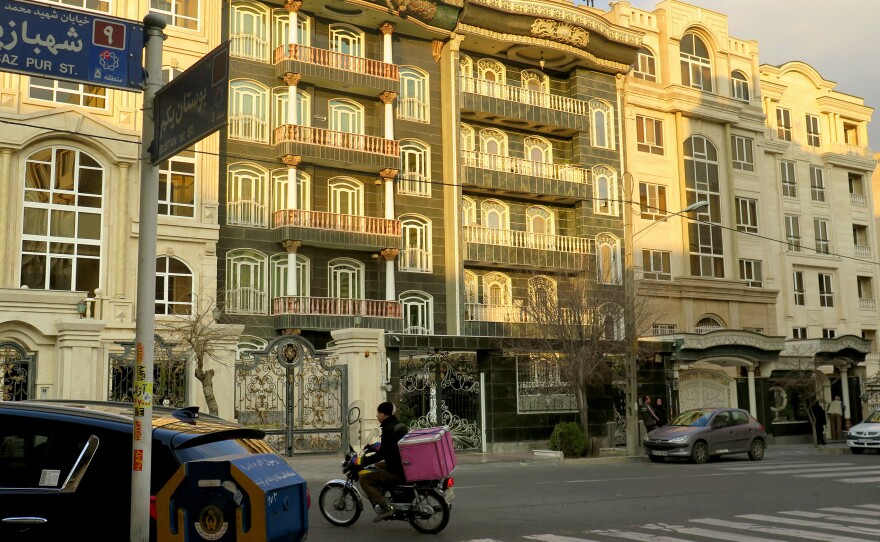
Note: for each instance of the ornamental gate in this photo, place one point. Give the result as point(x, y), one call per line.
point(443, 389)
point(294, 395)
point(169, 374)
point(16, 366)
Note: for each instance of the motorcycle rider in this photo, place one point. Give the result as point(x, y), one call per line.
point(389, 470)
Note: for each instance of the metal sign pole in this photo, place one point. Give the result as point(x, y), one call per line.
point(142, 435)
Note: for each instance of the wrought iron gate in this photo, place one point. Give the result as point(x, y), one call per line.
point(15, 370)
point(443, 389)
point(292, 394)
point(169, 374)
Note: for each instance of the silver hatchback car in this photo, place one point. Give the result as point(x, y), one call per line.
point(708, 432)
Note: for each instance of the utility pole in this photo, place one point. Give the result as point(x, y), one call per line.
point(633, 446)
point(145, 330)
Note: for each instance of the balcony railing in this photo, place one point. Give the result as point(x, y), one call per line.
point(525, 96)
point(794, 243)
point(415, 259)
point(858, 200)
point(334, 306)
point(519, 313)
point(246, 301)
point(295, 133)
point(339, 61)
point(336, 222)
point(862, 251)
point(246, 213)
point(414, 109)
point(248, 128)
point(414, 184)
point(524, 239)
point(857, 151)
point(867, 304)
point(248, 46)
point(494, 162)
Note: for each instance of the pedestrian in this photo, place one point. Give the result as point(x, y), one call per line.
point(660, 411)
point(647, 414)
point(835, 415)
point(819, 417)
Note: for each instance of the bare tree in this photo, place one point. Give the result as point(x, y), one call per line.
point(800, 385)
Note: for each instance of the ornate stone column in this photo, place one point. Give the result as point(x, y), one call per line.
point(6, 251)
point(388, 99)
point(389, 254)
point(291, 80)
point(292, 7)
point(389, 175)
point(292, 161)
point(292, 283)
point(387, 29)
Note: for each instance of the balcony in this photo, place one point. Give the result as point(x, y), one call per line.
point(849, 156)
point(415, 260)
point(324, 68)
point(246, 301)
point(492, 102)
point(862, 251)
point(248, 128)
point(321, 146)
point(332, 230)
point(525, 250)
point(858, 200)
point(563, 183)
point(867, 304)
point(328, 313)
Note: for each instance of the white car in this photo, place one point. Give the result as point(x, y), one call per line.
point(866, 435)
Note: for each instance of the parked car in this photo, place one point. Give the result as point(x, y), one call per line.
point(66, 467)
point(866, 435)
point(703, 433)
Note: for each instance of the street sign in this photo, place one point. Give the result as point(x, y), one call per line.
point(193, 105)
point(56, 43)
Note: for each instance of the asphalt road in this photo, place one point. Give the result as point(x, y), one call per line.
point(785, 497)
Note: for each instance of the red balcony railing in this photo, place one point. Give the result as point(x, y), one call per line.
point(341, 140)
point(339, 61)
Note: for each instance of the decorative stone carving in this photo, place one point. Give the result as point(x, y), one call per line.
point(388, 174)
point(291, 246)
point(292, 79)
point(389, 254)
point(291, 160)
point(387, 97)
point(291, 331)
point(420, 8)
point(436, 49)
point(293, 6)
point(561, 32)
point(733, 337)
point(386, 28)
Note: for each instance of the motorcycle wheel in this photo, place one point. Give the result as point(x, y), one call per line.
point(430, 523)
point(339, 505)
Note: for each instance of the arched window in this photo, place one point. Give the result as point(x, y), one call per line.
point(539, 157)
point(495, 215)
point(602, 133)
point(281, 111)
point(174, 286)
point(739, 86)
point(413, 103)
point(466, 73)
point(248, 111)
point(416, 255)
point(281, 29)
point(249, 31)
point(467, 138)
point(497, 298)
point(541, 228)
point(702, 184)
point(415, 167)
point(543, 294)
point(608, 255)
point(468, 212)
point(346, 40)
point(605, 191)
point(645, 66)
point(63, 221)
point(346, 196)
point(246, 196)
point(612, 320)
point(707, 324)
point(246, 282)
point(346, 116)
point(696, 64)
point(284, 198)
point(248, 344)
point(471, 291)
point(493, 149)
point(281, 287)
point(346, 278)
point(536, 88)
point(492, 78)
point(418, 313)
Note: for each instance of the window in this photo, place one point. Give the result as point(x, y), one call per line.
point(541, 386)
point(287, 195)
point(413, 103)
point(281, 29)
point(750, 273)
point(826, 290)
point(94, 5)
point(539, 157)
point(652, 200)
point(281, 279)
point(663, 329)
point(415, 168)
point(468, 212)
point(799, 333)
point(177, 185)
point(418, 313)
point(249, 32)
point(543, 295)
point(246, 196)
point(248, 344)
point(747, 215)
point(823, 245)
point(346, 278)
point(813, 139)
point(67, 93)
point(602, 132)
point(696, 67)
point(281, 110)
point(346, 40)
point(793, 232)
point(645, 66)
point(541, 227)
point(743, 154)
point(346, 196)
point(789, 181)
point(174, 286)
point(416, 253)
point(246, 282)
point(865, 289)
point(649, 135)
point(604, 190)
point(851, 133)
point(63, 221)
point(497, 298)
point(701, 183)
point(800, 290)
point(828, 333)
point(783, 124)
point(535, 88)
point(856, 190)
point(817, 183)
point(656, 264)
point(495, 215)
point(179, 13)
point(608, 255)
point(492, 78)
point(861, 244)
point(346, 116)
point(739, 86)
point(248, 111)
point(707, 324)
point(493, 149)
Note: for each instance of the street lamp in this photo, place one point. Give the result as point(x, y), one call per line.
point(695, 206)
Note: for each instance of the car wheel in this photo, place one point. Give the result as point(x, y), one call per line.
point(857, 451)
point(756, 450)
point(655, 459)
point(700, 453)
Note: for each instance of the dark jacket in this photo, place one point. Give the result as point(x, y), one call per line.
point(392, 431)
point(818, 413)
point(646, 413)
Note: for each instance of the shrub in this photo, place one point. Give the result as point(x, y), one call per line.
point(568, 438)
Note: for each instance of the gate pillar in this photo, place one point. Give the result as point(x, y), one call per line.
point(363, 352)
point(80, 356)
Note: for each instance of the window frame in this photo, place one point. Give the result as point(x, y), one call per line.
point(821, 233)
point(739, 86)
point(742, 152)
point(826, 290)
point(799, 288)
point(423, 303)
point(172, 16)
point(751, 272)
point(696, 70)
point(244, 211)
point(788, 176)
point(415, 168)
point(652, 201)
point(656, 264)
point(817, 183)
point(792, 224)
point(250, 31)
point(83, 92)
point(645, 66)
point(601, 124)
point(417, 258)
point(746, 214)
point(167, 174)
point(414, 101)
point(246, 271)
point(814, 136)
point(165, 278)
point(783, 123)
point(649, 135)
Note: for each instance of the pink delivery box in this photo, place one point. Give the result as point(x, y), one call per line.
point(427, 454)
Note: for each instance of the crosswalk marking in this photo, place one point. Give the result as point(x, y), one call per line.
point(770, 464)
point(799, 470)
point(817, 524)
point(841, 472)
point(781, 531)
point(853, 511)
point(555, 538)
point(820, 515)
point(719, 535)
point(643, 537)
point(861, 480)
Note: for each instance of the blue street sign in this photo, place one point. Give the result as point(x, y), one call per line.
point(193, 105)
point(56, 43)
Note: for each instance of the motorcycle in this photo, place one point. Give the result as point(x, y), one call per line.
point(424, 504)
